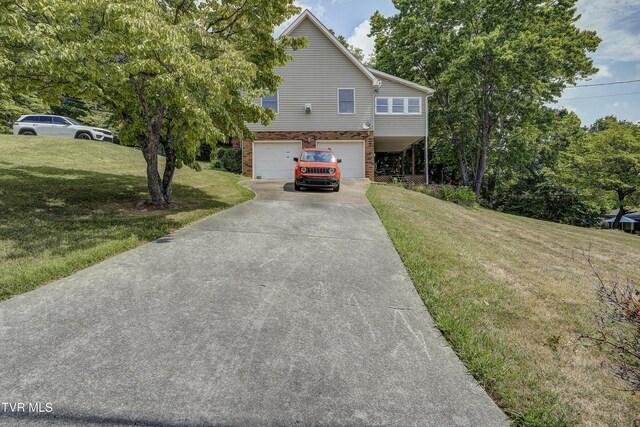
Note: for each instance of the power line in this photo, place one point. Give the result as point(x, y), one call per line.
point(600, 96)
point(604, 84)
point(523, 89)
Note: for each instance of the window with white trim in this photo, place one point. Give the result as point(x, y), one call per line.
point(382, 105)
point(270, 101)
point(346, 101)
point(414, 105)
point(399, 106)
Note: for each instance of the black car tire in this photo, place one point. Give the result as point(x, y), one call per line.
point(84, 135)
point(296, 187)
point(28, 133)
point(336, 188)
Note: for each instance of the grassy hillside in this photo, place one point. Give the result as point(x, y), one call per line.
point(66, 204)
point(513, 295)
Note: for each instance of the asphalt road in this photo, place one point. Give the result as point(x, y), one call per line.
point(291, 309)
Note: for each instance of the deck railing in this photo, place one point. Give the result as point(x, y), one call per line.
point(401, 179)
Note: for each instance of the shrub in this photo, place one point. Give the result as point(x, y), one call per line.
point(618, 328)
point(228, 158)
point(548, 201)
point(204, 153)
point(449, 193)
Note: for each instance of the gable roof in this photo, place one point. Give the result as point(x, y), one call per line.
point(404, 82)
point(307, 15)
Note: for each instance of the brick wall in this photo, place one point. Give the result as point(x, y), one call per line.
point(309, 141)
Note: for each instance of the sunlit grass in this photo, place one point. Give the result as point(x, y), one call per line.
point(66, 204)
point(513, 296)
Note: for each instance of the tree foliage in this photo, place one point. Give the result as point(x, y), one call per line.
point(527, 186)
point(356, 51)
point(12, 107)
point(493, 64)
point(175, 73)
point(605, 165)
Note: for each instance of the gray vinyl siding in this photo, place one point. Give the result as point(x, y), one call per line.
point(400, 125)
point(313, 77)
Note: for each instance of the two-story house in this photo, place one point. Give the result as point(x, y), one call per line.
point(330, 99)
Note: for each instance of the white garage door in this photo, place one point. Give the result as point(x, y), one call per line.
point(352, 155)
point(274, 160)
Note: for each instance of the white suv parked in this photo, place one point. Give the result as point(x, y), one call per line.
point(64, 127)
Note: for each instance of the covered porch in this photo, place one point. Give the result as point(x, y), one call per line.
point(627, 223)
point(400, 159)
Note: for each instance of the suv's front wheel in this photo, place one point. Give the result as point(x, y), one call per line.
point(84, 135)
point(27, 133)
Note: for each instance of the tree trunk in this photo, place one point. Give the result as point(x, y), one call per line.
point(617, 222)
point(150, 153)
point(169, 170)
point(150, 149)
point(464, 168)
point(481, 165)
point(480, 170)
point(621, 211)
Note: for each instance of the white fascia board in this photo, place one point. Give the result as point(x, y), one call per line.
point(404, 82)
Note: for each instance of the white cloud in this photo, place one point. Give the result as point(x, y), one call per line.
point(619, 105)
point(615, 23)
point(360, 38)
point(603, 73)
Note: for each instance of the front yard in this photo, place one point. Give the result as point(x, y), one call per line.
point(66, 204)
point(512, 296)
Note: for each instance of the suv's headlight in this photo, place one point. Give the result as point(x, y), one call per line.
point(303, 170)
point(332, 171)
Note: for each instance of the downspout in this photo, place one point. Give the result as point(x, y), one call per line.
point(373, 115)
point(242, 158)
point(376, 89)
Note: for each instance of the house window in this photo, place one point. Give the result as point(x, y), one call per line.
point(382, 105)
point(346, 101)
point(414, 105)
point(271, 102)
point(399, 106)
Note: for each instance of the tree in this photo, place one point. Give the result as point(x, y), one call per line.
point(356, 51)
point(175, 73)
point(493, 63)
point(12, 107)
point(606, 165)
point(522, 181)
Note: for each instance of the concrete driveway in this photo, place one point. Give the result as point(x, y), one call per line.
point(292, 309)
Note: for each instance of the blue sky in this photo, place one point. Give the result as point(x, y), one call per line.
point(617, 22)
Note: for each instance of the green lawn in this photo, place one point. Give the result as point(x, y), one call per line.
point(512, 296)
point(66, 204)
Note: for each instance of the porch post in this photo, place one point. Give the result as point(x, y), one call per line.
point(426, 140)
point(404, 155)
point(413, 159)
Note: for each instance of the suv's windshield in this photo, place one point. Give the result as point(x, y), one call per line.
point(74, 122)
point(318, 156)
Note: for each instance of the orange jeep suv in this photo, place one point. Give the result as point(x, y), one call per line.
point(318, 168)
